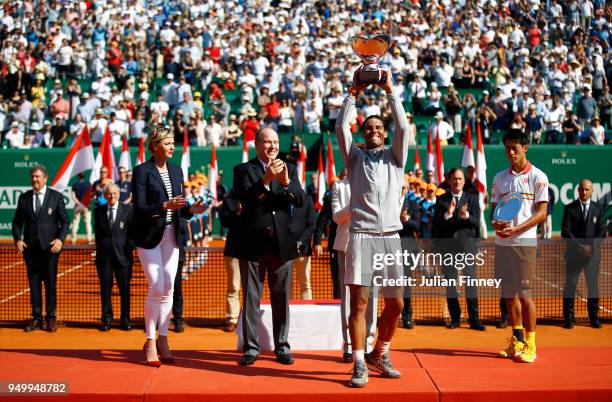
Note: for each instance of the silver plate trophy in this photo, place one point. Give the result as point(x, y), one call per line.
point(370, 51)
point(508, 207)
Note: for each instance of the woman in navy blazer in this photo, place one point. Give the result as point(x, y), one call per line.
point(158, 205)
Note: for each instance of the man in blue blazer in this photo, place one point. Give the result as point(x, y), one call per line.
point(268, 190)
point(41, 214)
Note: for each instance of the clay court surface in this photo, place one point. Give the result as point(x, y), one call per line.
point(457, 365)
point(437, 365)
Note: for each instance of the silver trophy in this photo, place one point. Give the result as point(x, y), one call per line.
point(370, 51)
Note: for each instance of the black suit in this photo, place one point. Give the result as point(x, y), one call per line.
point(148, 196)
point(231, 220)
point(456, 235)
point(302, 226)
point(408, 234)
point(578, 232)
point(39, 230)
point(177, 296)
point(269, 247)
point(114, 254)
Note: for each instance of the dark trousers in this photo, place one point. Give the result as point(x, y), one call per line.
point(452, 295)
point(335, 273)
point(252, 274)
point(177, 297)
point(503, 308)
point(123, 275)
point(572, 275)
point(42, 267)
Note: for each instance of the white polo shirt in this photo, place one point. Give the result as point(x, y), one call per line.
point(532, 184)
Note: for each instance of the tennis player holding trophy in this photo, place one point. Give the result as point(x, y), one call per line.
point(519, 197)
point(375, 175)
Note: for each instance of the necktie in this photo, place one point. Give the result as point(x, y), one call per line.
point(585, 212)
point(37, 204)
point(111, 217)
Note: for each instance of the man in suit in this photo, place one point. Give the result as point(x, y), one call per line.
point(411, 225)
point(455, 228)
point(583, 228)
point(113, 226)
point(302, 226)
point(267, 189)
point(41, 214)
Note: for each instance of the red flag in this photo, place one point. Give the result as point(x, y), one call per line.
point(467, 159)
point(79, 159)
point(141, 152)
point(213, 173)
point(245, 151)
point(439, 159)
point(185, 159)
point(105, 157)
point(481, 165)
point(125, 160)
point(330, 168)
point(301, 166)
point(320, 181)
point(430, 162)
point(417, 158)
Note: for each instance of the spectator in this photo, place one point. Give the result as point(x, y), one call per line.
point(125, 186)
point(312, 118)
point(597, 134)
point(97, 127)
point(443, 129)
point(47, 136)
point(434, 96)
point(285, 117)
point(553, 120)
point(15, 136)
point(59, 132)
point(587, 109)
point(233, 132)
point(571, 128)
point(453, 106)
point(213, 132)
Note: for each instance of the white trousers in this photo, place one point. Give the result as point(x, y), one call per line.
point(159, 265)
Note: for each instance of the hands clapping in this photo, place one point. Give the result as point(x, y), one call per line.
point(277, 170)
point(463, 212)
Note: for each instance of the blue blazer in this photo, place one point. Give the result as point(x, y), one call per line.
point(148, 196)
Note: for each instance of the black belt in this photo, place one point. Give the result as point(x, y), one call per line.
point(169, 223)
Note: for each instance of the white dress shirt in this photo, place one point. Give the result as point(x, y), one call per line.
point(42, 193)
point(112, 210)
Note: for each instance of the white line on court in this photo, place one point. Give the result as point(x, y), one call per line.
point(26, 290)
point(554, 285)
point(11, 265)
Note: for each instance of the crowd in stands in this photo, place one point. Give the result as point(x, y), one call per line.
point(219, 70)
